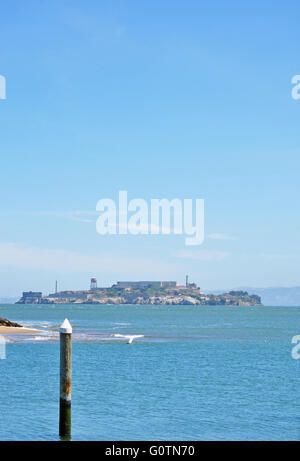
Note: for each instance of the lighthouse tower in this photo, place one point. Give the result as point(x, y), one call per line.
point(93, 283)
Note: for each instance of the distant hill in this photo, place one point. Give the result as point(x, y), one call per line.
point(274, 296)
point(278, 296)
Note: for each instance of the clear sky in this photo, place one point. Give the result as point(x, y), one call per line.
point(164, 99)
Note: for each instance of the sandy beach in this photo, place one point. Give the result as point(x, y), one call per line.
point(14, 331)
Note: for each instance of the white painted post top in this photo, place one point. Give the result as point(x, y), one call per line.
point(65, 327)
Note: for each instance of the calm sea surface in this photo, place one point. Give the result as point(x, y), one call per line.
point(199, 373)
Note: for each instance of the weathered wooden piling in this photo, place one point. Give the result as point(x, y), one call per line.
point(65, 379)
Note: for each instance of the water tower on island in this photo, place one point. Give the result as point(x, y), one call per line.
point(93, 283)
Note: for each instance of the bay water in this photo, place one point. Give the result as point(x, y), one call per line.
point(198, 373)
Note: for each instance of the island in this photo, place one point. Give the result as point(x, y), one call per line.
point(143, 293)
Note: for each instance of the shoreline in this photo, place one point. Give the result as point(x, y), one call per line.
point(17, 330)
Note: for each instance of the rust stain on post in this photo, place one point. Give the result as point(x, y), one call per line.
point(65, 380)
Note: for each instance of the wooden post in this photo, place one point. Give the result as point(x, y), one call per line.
point(65, 379)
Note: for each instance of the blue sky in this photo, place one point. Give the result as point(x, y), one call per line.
point(162, 99)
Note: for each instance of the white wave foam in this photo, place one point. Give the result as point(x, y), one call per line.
point(121, 323)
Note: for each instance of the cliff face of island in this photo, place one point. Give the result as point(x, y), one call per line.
point(148, 296)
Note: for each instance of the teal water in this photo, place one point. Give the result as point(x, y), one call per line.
point(199, 373)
